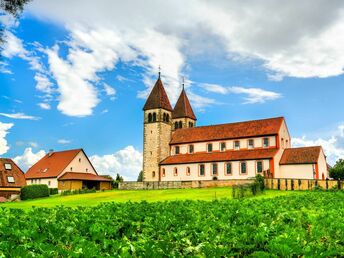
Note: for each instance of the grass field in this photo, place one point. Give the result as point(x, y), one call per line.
point(93, 199)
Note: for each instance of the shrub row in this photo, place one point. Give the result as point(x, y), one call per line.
point(79, 191)
point(34, 191)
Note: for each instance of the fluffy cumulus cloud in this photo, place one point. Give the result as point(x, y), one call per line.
point(127, 162)
point(333, 146)
point(252, 95)
point(28, 158)
point(167, 33)
point(4, 127)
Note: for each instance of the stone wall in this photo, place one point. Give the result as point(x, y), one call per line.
point(180, 184)
point(301, 184)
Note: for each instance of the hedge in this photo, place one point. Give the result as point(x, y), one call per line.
point(34, 191)
point(53, 191)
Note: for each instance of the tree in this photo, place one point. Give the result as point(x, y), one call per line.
point(118, 180)
point(140, 177)
point(12, 7)
point(337, 171)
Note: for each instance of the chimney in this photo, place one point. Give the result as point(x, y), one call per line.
point(51, 151)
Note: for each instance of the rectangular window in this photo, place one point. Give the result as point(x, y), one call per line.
point(10, 179)
point(201, 170)
point(243, 168)
point(215, 169)
point(222, 146)
point(176, 150)
point(259, 166)
point(250, 144)
point(210, 147)
point(191, 149)
point(228, 168)
point(8, 166)
point(236, 145)
point(266, 142)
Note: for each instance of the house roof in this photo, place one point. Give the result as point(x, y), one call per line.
point(183, 107)
point(234, 155)
point(51, 165)
point(158, 98)
point(303, 155)
point(270, 126)
point(15, 172)
point(82, 176)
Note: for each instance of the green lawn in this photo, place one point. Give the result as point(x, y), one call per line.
point(93, 199)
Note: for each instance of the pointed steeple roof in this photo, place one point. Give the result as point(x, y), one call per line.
point(158, 97)
point(183, 107)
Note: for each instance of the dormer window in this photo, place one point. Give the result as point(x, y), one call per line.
point(266, 142)
point(222, 146)
point(176, 150)
point(250, 144)
point(45, 170)
point(236, 145)
point(209, 147)
point(8, 166)
point(10, 179)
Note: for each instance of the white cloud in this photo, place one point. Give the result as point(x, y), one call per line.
point(13, 46)
point(19, 116)
point(333, 146)
point(253, 95)
point(127, 162)
point(43, 105)
point(4, 127)
point(33, 144)
point(28, 158)
point(64, 141)
point(110, 91)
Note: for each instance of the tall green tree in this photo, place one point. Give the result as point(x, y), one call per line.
point(140, 177)
point(337, 171)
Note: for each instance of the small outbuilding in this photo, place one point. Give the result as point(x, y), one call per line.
point(67, 170)
point(12, 178)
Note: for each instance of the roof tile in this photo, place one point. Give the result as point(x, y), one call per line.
point(303, 155)
point(82, 176)
point(254, 128)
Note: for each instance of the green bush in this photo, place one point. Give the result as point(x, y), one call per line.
point(53, 191)
point(79, 191)
point(34, 191)
point(337, 172)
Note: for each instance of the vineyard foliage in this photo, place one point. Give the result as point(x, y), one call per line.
point(309, 224)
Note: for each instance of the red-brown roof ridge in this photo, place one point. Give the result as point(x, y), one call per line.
point(183, 107)
point(158, 98)
point(252, 128)
point(82, 176)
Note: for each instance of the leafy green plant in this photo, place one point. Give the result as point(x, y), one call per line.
point(34, 191)
point(53, 191)
point(337, 171)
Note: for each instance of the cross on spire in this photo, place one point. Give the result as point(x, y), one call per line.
point(159, 71)
point(183, 81)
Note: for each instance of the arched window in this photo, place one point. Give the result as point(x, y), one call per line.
point(153, 174)
point(176, 125)
point(175, 172)
point(188, 171)
point(150, 118)
point(154, 117)
point(163, 172)
point(190, 124)
point(180, 124)
point(164, 117)
point(167, 118)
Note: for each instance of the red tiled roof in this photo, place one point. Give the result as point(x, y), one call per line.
point(82, 176)
point(53, 165)
point(158, 98)
point(183, 107)
point(220, 156)
point(15, 172)
point(253, 128)
point(303, 155)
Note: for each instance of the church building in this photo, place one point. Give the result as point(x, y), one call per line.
point(175, 149)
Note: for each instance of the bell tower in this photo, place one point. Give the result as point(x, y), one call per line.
point(183, 115)
point(157, 131)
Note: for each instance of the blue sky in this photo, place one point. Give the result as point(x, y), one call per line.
point(76, 75)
